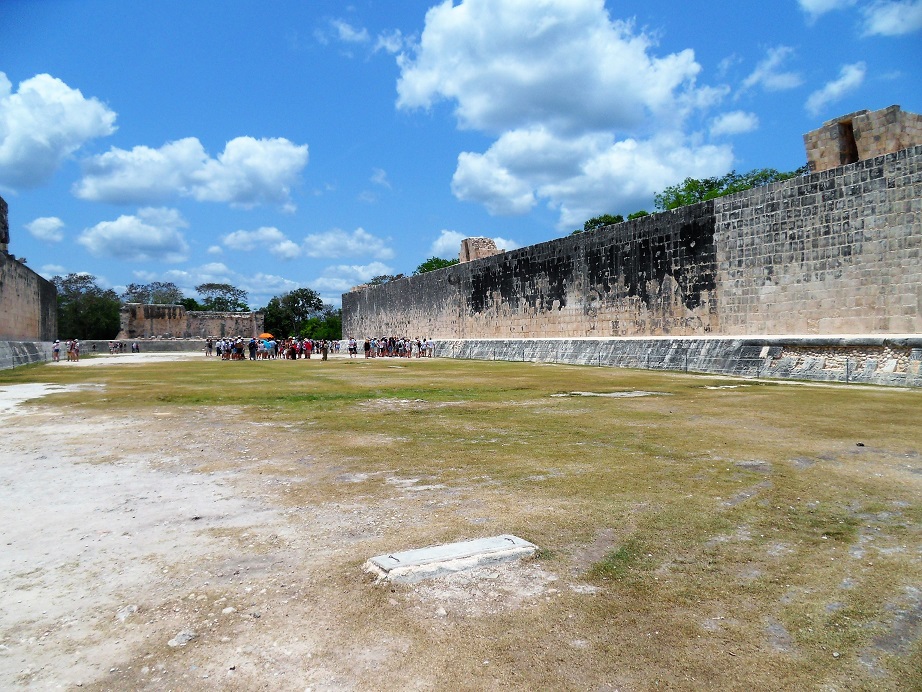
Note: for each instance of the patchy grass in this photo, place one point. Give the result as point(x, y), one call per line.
point(749, 537)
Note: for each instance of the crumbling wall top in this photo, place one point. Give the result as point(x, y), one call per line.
point(477, 248)
point(862, 135)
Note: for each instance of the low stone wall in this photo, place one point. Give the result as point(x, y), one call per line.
point(16, 353)
point(870, 360)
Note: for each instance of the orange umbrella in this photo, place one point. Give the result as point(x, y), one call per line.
point(266, 335)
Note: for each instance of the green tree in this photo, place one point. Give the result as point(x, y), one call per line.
point(222, 298)
point(601, 221)
point(434, 263)
point(154, 293)
point(86, 311)
point(190, 304)
point(286, 314)
point(638, 214)
point(326, 325)
point(692, 190)
point(384, 279)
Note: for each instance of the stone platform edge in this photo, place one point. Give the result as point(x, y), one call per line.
point(892, 360)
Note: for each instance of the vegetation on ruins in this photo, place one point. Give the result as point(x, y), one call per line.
point(86, 311)
point(384, 279)
point(692, 190)
point(434, 263)
point(222, 298)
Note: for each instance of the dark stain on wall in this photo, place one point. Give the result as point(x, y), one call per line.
point(648, 252)
point(517, 279)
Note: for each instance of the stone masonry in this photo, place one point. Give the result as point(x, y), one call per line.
point(862, 135)
point(477, 248)
point(173, 321)
point(835, 252)
point(28, 302)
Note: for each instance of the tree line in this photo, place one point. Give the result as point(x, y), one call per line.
point(88, 311)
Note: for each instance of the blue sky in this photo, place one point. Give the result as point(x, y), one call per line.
point(281, 144)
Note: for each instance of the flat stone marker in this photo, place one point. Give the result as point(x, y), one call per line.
point(424, 563)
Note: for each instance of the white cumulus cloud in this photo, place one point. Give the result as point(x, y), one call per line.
point(152, 234)
point(248, 172)
point(265, 238)
point(340, 243)
point(47, 228)
point(568, 92)
point(41, 124)
point(584, 177)
point(734, 123)
point(892, 17)
point(563, 63)
point(342, 277)
point(850, 78)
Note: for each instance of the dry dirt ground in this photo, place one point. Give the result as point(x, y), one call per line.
point(132, 560)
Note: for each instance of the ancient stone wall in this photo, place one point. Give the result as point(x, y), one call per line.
point(870, 360)
point(834, 252)
point(862, 135)
point(28, 303)
point(173, 321)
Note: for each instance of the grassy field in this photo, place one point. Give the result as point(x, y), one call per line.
point(710, 533)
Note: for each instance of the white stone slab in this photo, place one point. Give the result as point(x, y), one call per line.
point(423, 563)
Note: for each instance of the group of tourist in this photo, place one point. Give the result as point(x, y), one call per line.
point(119, 347)
point(397, 347)
point(292, 348)
point(269, 348)
point(72, 347)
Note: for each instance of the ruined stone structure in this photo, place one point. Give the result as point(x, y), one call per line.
point(28, 302)
point(477, 248)
point(835, 252)
point(174, 321)
point(860, 136)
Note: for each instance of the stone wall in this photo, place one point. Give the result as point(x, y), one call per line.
point(862, 135)
point(834, 252)
point(28, 303)
point(156, 321)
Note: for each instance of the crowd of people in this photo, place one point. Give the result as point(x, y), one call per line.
point(293, 348)
point(397, 347)
point(269, 348)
